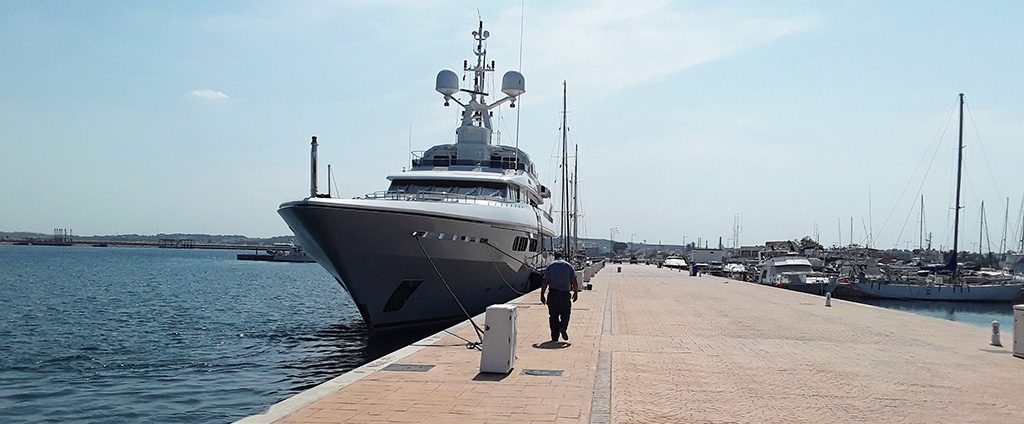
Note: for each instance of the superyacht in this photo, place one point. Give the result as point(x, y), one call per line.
point(460, 230)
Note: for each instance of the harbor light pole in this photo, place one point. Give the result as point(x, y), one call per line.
point(611, 241)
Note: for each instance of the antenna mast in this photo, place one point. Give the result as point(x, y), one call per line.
point(522, 24)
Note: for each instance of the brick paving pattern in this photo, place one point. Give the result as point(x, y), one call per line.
point(656, 345)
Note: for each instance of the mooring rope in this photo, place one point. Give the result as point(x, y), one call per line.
point(487, 242)
point(498, 271)
point(532, 269)
point(479, 332)
point(469, 345)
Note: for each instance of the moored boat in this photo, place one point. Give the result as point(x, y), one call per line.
point(676, 262)
point(794, 272)
point(949, 282)
point(459, 231)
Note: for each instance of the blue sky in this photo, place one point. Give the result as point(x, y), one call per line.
point(147, 117)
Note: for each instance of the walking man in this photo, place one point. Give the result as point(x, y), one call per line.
point(561, 277)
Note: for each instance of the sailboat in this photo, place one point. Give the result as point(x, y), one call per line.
point(948, 282)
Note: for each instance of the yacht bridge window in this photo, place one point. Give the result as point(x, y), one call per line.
point(793, 268)
point(466, 188)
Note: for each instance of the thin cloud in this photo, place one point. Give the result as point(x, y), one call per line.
point(211, 95)
point(612, 46)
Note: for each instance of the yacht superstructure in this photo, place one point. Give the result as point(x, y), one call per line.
point(462, 229)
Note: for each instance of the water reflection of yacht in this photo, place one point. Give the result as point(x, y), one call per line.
point(461, 230)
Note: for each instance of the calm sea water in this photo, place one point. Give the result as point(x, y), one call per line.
point(159, 335)
point(977, 313)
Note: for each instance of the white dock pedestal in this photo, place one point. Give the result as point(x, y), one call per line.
point(499, 352)
point(1018, 331)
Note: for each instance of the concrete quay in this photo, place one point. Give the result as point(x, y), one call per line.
point(656, 345)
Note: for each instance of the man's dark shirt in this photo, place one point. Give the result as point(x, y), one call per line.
point(559, 275)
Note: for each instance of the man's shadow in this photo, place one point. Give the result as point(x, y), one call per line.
point(552, 345)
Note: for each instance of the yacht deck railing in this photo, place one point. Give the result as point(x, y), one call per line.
point(434, 196)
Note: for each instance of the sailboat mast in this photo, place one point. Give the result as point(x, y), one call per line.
point(1021, 213)
point(1006, 223)
point(981, 228)
point(959, 169)
point(565, 178)
point(920, 227)
point(575, 205)
point(839, 226)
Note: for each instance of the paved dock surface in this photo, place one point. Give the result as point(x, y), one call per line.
point(656, 345)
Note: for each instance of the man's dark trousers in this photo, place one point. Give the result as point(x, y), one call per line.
point(559, 306)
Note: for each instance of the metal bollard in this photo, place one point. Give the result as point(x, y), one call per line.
point(995, 334)
point(828, 299)
point(619, 270)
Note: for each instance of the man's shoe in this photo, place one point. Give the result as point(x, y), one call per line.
point(565, 336)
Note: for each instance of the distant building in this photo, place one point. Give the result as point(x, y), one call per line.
point(749, 252)
point(708, 255)
point(177, 243)
point(1015, 262)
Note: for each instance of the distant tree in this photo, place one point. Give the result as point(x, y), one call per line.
point(807, 243)
point(619, 247)
point(988, 260)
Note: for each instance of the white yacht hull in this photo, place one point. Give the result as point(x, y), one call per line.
point(369, 247)
point(819, 289)
point(968, 293)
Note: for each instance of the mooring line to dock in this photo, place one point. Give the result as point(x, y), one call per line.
point(488, 243)
point(479, 332)
point(505, 280)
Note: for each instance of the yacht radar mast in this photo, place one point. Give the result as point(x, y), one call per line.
point(474, 134)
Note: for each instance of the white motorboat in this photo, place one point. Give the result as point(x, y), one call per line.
point(677, 262)
point(735, 270)
point(459, 231)
point(795, 273)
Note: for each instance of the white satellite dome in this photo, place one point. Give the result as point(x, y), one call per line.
point(447, 82)
point(512, 83)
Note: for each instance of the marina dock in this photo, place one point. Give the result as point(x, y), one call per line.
point(651, 344)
